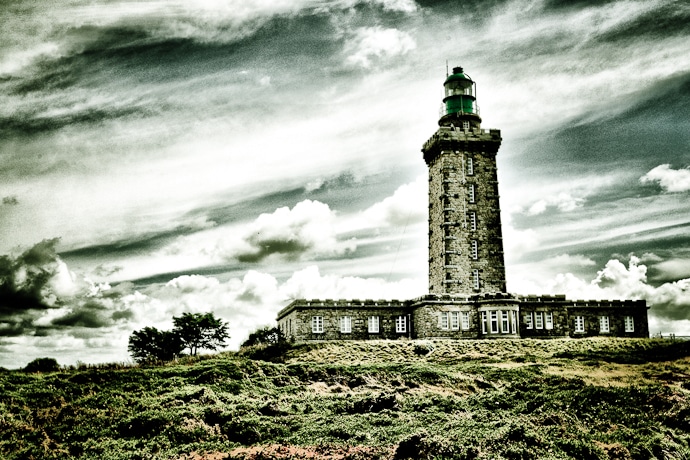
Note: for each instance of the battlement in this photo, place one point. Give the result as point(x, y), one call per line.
point(446, 134)
point(341, 303)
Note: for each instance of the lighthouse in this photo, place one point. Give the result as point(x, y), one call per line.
point(467, 296)
point(465, 240)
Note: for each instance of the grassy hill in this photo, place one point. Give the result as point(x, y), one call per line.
point(588, 398)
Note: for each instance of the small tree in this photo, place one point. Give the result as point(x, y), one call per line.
point(150, 344)
point(42, 365)
point(265, 336)
point(197, 331)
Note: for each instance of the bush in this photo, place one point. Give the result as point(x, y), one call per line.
point(266, 344)
point(42, 365)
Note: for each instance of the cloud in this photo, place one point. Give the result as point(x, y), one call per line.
point(375, 44)
point(303, 231)
point(563, 201)
point(10, 200)
point(311, 284)
point(675, 268)
point(671, 180)
point(38, 293)
point(669, 301)
point(408, 205)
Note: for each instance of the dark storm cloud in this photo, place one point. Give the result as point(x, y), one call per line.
point(89, 314)
point(10, 200)
point(128, 246)
point(28, 290)
point(23, 280)
point(31, 124)
point(264, 247)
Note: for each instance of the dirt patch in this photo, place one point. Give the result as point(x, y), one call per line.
point(309, 452)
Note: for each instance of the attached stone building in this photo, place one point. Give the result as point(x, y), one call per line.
point(467, 281)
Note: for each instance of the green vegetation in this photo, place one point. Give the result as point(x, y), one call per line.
point(500, 399)
point(194, 331)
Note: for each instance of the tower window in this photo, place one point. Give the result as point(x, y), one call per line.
point(475, 278)
point(505, 324)
point(373, 324)
point(579, 324)
point(455, 320)
point(471, 196)
point(317, 324)
point(603, 324)
point(473, 221)
point(346, 324)
point(444, 320)
point(474, 250)
point(466, 125)
point(483, 322)
point(400, 324)
point(465, 320)
point(494, 322)
point(629, 324)
point(470, 166)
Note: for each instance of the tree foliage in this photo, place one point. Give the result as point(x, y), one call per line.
point(200, 331)
point(265, 336)
point(42, 365)
point(150, 344)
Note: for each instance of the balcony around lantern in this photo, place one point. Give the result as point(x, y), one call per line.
point(445, 110)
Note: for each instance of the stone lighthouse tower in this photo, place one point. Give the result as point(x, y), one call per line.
point(465, 242)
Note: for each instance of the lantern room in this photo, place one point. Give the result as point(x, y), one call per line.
point(459, 99)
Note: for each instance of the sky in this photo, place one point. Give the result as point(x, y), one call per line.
point(168, 156)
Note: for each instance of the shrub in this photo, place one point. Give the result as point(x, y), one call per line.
point(42, 365)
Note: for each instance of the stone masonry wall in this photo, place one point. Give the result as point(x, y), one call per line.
point(464, 213)
point(296, 320)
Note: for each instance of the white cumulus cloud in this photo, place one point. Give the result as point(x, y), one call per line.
point(306, 229)
point(407, 205)
point(671, 180)
point(370, 44)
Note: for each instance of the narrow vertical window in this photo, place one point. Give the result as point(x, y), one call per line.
point(538, 320)
point(471, 195)
point(455, 320)
point(473, 221)
point(346, 324)
point(373, 325)
point(483, 322)
point(401, 324)
point(629, 324)
point(548, 320)
point(474, 250)
point(513, 322)
point(317, 324)
point(603, 324)
point(579, 324)
point(470, 166)
point(505, 324)
point(475, 278)
point(494, 322)
point(465, 320)
point(444, 320)
point(528, 320)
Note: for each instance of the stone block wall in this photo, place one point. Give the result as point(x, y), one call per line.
point(464, 212)
point(534, 312)
point(615, 310)
point(296, 319)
